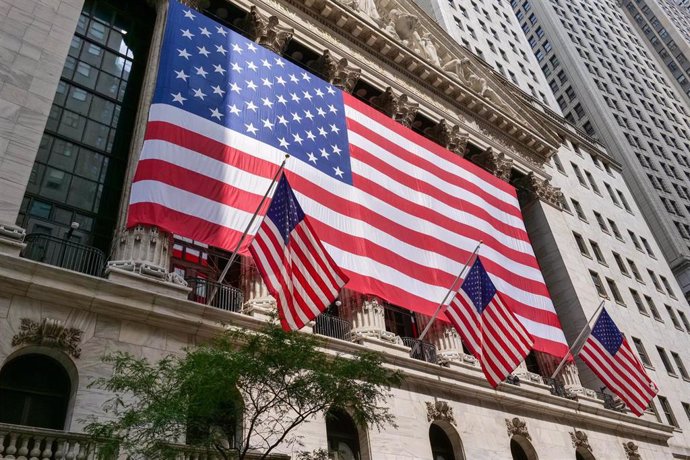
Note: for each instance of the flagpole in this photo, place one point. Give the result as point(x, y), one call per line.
point(445, 299)
point(224, 273)
point(577, 340)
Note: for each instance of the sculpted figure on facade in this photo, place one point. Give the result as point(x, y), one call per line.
point(518, 427)
point(266, 31)
point(428, 49)
point(49, 333)
point(580, 439)
point(631, 450)
point(440, 411)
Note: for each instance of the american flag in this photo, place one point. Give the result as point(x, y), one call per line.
point(398, 213)
point(608, 354)
point(488, 328)
point(297, 270)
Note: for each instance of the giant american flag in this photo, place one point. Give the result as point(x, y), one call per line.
point(398, 213)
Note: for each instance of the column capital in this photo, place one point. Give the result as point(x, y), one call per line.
point(532, 188)
point(265, 30)
point(495, 162)
point(398, 107)
point(338, 72)
point(448, 136)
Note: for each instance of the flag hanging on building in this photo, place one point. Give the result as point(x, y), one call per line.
point(397, 212)
point(293, 263)
point(608, 354)
point(488, 328)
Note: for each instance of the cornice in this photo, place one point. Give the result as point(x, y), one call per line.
point(54, 285)
point(485, 105)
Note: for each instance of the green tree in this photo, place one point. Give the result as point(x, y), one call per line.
point(244, 392)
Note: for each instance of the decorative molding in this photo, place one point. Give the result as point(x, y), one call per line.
point(631, 451)
point(531, 188)
point(439, 411)
point(517, 426)
point(580, 439)
point(399, 108)
point(50, 333)
point(337, 72)
point(266, 31)
point(447, 136)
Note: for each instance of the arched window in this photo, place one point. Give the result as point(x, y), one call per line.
point(583, 454)
point(343, 436)
point(220, 423)
point(441, 447)
point(35, 391)
point(522, 449)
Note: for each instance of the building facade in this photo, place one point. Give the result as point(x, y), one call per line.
point(608, 83)
point(75, 97)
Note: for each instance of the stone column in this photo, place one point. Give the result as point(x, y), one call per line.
point(367, 316)
point(449, 346)
point(35, 38)
point(526, 376)
point(141, 254)
point(257, 301)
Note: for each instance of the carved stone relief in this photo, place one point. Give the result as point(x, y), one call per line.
point(579, 439)
point(631, 450)
point(531, 188)
point(400, 108)
point(518, 427)
point(439, 411)
point(337, 72)
point(494, 162)
point(450, 137)
point(50, 333)
point(266, 31)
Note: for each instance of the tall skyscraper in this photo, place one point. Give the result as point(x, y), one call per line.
point(491, 31)
point(608, 83)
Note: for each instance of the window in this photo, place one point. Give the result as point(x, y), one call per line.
point(652, 308)
point(620, 263)
point(679, 365)
point(580, 178)
point(624, 201)
point(638, 302)
point(441, 446)
point(666, 409)
point(598, 284)
point(674, 319)
point(559, 165)
point(636, 272)
point(342, 434)
point(654, 280)
point(597, 252)
point(582, 246)
point(592, 183)
point(666, 361)
point(648, 248)
point(686, 408)
point(684, 319)
point(601, 222)
point(34, 398)
point(667, 285)
point(633, 237)
point(644, 357)
point(578, 210)
point(614, 291)
point(614, 229)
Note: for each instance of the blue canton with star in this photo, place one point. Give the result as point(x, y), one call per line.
point(215, 73)
point(285, 211)
point(478, 286)
point(607, 333)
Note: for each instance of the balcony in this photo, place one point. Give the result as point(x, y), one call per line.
point(63, 253)
point(421, 350)
point(39, 443)
point(332, 326)
point(224, 297)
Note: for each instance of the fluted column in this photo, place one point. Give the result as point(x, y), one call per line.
point(367, 316)
point(449, 346)
point(525, 375)
point(257, 301)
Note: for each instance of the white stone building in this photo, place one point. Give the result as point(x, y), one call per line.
point(72, 117)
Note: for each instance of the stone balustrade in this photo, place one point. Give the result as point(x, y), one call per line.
point(29, 443)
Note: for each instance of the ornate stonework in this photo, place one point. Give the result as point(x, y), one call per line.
point(400, 108)
point(631, 450)
point(450, 137)
point(50, 333)
point(144, 250)
point(439, 411)
point(531, 188)
point(579, 439)
point(266, 31)
point(337, 72)
point(518, 427)
point(494, 162)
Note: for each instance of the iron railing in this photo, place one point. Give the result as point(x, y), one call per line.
point(332, 326)
point(224, 297)
point(421, 350)
point(63, 253)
